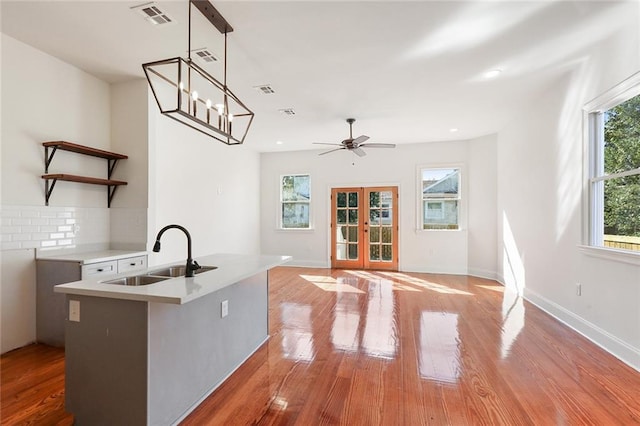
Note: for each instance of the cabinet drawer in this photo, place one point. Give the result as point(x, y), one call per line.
point(132, 264)
point(97, 269)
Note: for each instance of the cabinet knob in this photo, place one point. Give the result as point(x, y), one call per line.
point(100, 269)
point(132, 264)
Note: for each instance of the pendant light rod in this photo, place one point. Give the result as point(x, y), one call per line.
point(189, 38)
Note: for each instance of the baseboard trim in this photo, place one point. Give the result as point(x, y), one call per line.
point(610, 343)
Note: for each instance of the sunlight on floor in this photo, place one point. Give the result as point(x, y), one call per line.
point(331, 284)
point(297, 333)
point(439, 288)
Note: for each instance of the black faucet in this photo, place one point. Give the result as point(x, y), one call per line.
point(192, 265)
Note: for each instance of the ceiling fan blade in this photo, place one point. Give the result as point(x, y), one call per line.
point(379, 145)
point(360, 139)
point(332, 144)
point(359, 152)
point(332, 150)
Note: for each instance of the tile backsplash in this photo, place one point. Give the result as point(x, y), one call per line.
point(23, 227)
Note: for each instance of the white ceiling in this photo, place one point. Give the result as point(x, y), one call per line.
point(407, 71)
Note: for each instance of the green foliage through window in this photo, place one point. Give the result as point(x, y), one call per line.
point(295, 200)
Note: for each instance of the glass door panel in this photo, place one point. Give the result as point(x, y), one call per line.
point(346, 208)
point(382, 228)
point(365, 228)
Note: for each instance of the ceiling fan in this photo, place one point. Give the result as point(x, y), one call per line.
point(356, 144)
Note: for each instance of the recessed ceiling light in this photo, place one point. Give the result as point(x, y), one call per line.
point(492, 73)
point(279, 142)
point(453, 130)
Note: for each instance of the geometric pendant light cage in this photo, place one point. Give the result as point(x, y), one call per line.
point(188, 94)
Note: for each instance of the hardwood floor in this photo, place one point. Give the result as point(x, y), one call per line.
point(369, 348)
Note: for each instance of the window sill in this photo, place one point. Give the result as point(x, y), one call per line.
point(420, 231)
point(296, 230)
point(621, 256)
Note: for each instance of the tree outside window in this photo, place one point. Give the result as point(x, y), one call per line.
point(618, 188)
point(295, 200)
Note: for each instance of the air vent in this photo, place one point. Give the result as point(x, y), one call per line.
point(288, 111)
point(152, 13)
point(205, 55)
point(265, 89)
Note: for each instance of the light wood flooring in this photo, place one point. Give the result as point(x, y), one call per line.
point(384, 348)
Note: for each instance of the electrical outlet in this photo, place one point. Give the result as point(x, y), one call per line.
point(578, 289)
point(74, 310)
point(224, 308)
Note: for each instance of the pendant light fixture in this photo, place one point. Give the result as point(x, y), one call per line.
point(187, 93)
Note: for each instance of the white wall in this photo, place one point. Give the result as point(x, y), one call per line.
point(425, 251)
point(130, 136)
point(204, 185)
point(45, 99)
point(540, 202)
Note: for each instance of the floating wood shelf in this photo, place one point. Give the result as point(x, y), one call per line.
point(111, 158)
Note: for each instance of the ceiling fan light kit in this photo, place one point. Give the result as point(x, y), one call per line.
point(355, 145)
point(186, 93)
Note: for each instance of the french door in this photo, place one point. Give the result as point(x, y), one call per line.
point(364, 228)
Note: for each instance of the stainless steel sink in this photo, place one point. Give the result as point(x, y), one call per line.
point(136, 280)
point(178, 271)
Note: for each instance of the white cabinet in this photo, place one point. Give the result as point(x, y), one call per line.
point(51, 309)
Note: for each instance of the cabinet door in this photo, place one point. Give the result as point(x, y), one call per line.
point(131, 264)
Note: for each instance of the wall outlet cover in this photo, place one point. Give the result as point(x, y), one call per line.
point(74, 310)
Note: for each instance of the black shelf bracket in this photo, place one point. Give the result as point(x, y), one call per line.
point(48, 189)
point(48, 158)
point(110, 191)
point(111, 164)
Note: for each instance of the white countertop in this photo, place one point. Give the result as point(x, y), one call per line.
point(86, 258)
point(231, 268)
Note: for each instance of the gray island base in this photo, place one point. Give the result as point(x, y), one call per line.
point(142, 362)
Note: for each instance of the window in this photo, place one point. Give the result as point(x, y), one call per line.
point(295, 199)
point(440, 198)
point(614, 183)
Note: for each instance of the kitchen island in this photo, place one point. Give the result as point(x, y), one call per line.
point(149, 354)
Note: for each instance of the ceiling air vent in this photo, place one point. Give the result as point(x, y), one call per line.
point(205, 55)
point(265, 89)
point(152, 13)
point(287, 111)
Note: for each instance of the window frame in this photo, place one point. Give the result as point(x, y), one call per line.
point(593, 153)
point(460, 199)
point(280, 220)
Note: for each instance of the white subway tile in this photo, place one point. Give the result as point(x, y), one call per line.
point(9, 229)
point(40, 221)
point(47, 243)
point(21, 221)
point(30, 213)
point(65, 214)
point(70, 221)
point(65, 228)
point(56, 221)
point(65, 242)
point(70, 235)
point(48, 228)
point(49, 213)
point(30, 228)
point(40, 236)
point(20, 237)
point(10, 213)
point(5, 238)
point(56, 235)
point(11, 245)
point(30, 244)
